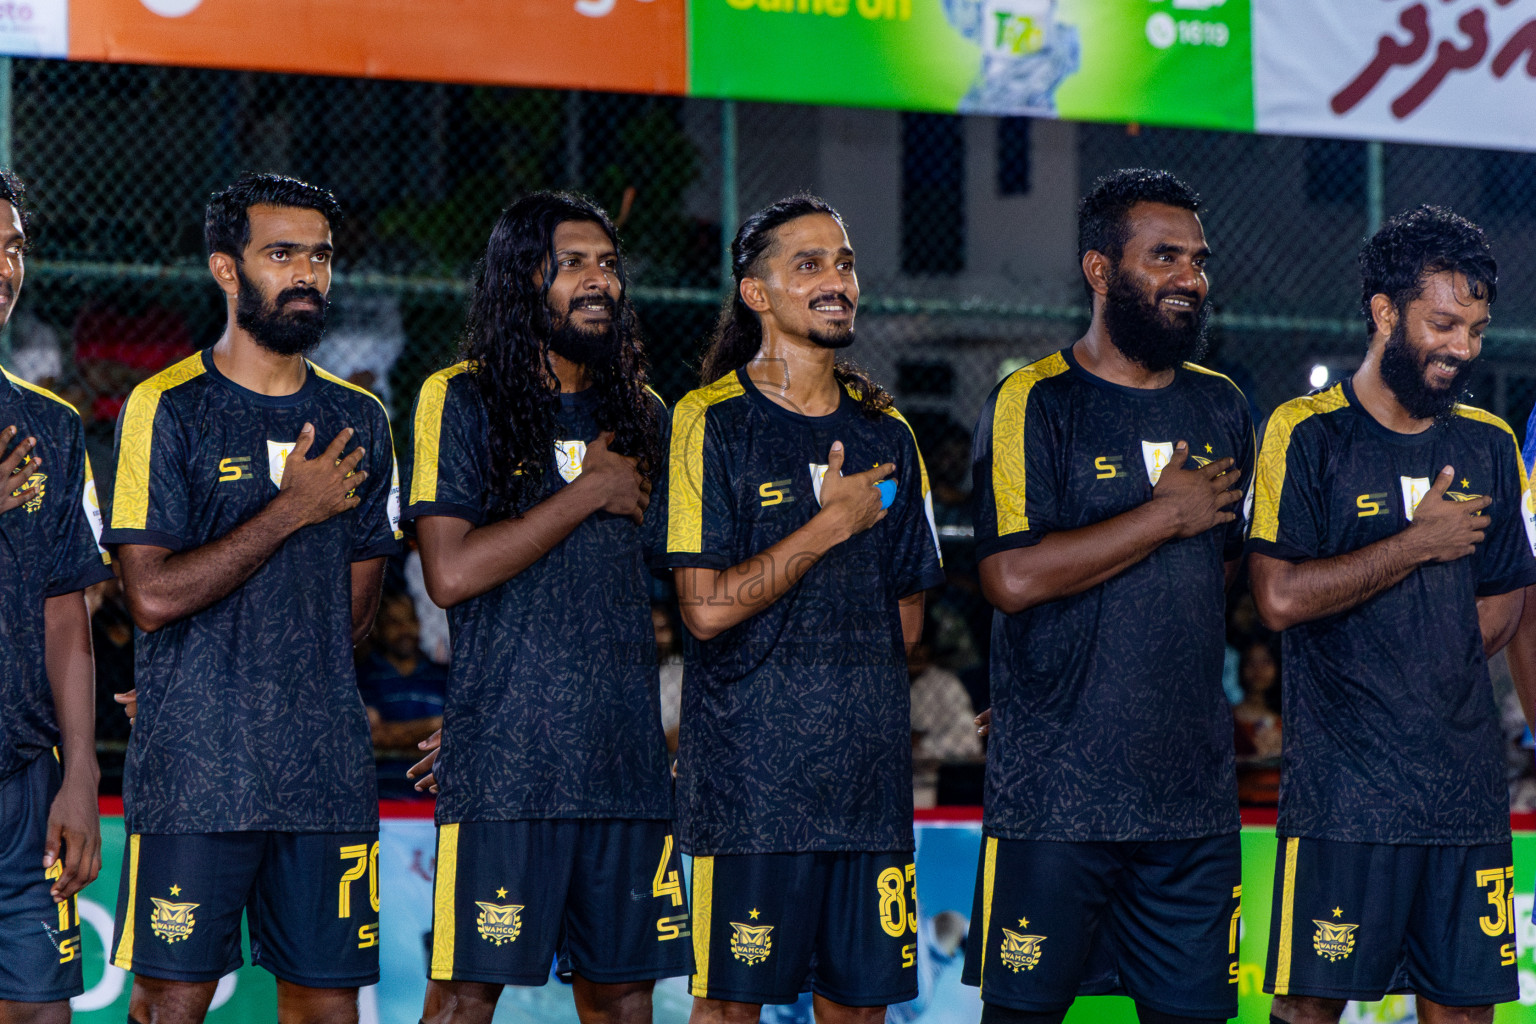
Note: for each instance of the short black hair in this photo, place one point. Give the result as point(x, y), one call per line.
point(14, 191)
point(1417, 244)
point(227, 225)
point(1103, 216)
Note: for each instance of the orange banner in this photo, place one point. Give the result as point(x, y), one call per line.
point(602, 45)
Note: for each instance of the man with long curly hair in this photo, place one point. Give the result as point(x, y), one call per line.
point(799, 585)
point(533, 472)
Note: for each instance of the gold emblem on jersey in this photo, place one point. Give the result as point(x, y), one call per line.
point(1373, 504)
point(1333, 942)
point(499, 923)
point(1107, 467)
point(37, 480)
point(237, 467)
point(172, 922)
point(751, 944)
point(1021, 952)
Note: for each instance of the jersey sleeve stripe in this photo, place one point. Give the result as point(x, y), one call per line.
point(130, 488)
point(1269, 472)
point(429, 432)
point(1008, 462)
point(1527, 498)
point(685, 483)
point(19, 382)
point(922, 468)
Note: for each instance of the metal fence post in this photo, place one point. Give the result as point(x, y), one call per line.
point(1375, 186)
point(729, 215)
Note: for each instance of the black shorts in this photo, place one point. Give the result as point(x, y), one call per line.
point(311, 900)
point(606, 896)
point(768, 926)
point(39, 939)
point(1157, 921)
point(1359, 920)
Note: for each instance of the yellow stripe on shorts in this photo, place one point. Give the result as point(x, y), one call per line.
point(124, 958)
point(443, 893)
point(1287, 922)
point(703, 904)
point(988, 879)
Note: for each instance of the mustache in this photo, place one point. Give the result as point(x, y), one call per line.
point(587, 301)
point(288, 295)
point(829, 297)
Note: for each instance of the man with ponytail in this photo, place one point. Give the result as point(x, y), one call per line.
point(801, 538)
point(532, 497)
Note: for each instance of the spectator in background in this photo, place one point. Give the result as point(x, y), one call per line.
point(402, 688)
point(669, 656)
point(1256, 723)
point(942, 714)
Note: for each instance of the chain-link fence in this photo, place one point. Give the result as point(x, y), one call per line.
point(964, 226)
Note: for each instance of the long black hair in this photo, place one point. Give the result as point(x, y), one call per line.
point(738, 332)
point(506, 340)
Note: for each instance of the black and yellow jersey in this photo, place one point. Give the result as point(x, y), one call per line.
point(1108, 718)
point(553, 694)
point(1391, 733)
point(249, 715)
point(796, 724)
point(50, 547)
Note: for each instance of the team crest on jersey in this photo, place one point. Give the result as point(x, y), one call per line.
point(1156, 455)
point(1414, 489)
point(172, 922)
point(568, 458)
point(1021, 952)
point(277, 458)
point(751, 944)
point(499, 923)
point(38, 480)
point(1333, 942)
point(1528, 514)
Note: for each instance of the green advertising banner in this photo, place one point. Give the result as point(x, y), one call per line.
point(1174, 62)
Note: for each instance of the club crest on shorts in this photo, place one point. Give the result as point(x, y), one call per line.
point(172, 922)
point(277, 459)
point(499, 923)
point(1333, 942)
point(1021, 952)
point(1156, 455)
point(1414, 489)
point(568, 458)
point(751, 943)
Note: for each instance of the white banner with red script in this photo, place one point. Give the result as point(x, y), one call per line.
point(1448, 72)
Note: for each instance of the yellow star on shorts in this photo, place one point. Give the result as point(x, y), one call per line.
point(1208, 449)
point(1465, 482)
point(752, 913)
point(501, 894)
point(1023, 922)
point(175, 890)
point(1338, 912)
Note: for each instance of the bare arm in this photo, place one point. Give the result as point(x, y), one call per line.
point(1185, 502)
point(162, 586)
point(1290, 593)
point(1522, 657)
point(460, 561)
point(367, 582)
point(912, 619)
point(714, 600)
point(73, 820)
point(1498, 616)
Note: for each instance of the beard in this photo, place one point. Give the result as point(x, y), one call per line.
point(1402, 371)
point(836, 336)
point(1147, 335)
point(287, 334)
point(596, 345)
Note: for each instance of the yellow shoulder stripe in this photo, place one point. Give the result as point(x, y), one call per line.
point(394, 463)
point(429, 431)
point(28, 385)
point(1472, 412)
point(685, 480)
point(130, 488)
point(1008, 462)
point(922, 469)
point(1269, 472)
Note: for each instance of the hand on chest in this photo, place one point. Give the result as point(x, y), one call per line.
point(787, 481)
